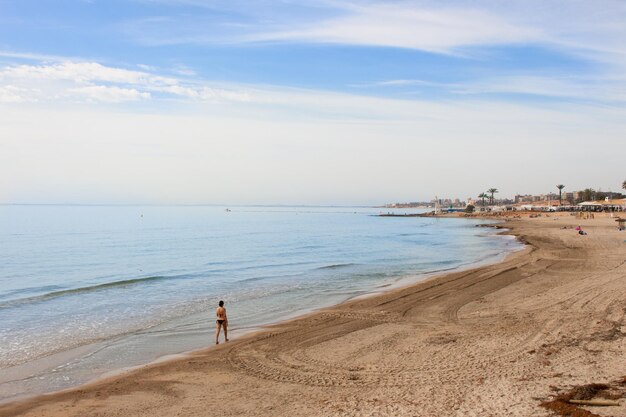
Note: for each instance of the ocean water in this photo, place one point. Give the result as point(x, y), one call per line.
point(86, 290)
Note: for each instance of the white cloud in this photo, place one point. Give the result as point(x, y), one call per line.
point(67, 82)
point(64, 81)
point(82, 72)
point(146, 67)
point(394, 83)
point(424, 26)
point(600, 89)
point(12, 94)
point(110, 94)
point(608, 90)
point(434, 30)
point(207, 93)
point(32, 56)
point(184, 70)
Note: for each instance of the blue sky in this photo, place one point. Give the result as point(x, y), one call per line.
point(206, 39)
point(454, 86)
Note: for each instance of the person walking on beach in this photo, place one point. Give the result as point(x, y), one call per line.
point(222, 321)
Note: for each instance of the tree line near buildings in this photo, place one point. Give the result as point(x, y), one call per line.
point(588, 194)
point(488, 198)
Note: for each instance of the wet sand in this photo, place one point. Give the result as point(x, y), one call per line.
point(492, 341)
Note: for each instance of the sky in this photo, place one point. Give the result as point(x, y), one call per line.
point(308, 102)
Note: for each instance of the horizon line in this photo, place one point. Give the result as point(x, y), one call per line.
point(186, 205)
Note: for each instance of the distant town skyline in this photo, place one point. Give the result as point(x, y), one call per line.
point(567, 198)
point(302, 102)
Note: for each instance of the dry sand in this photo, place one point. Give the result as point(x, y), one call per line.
point(494, 341)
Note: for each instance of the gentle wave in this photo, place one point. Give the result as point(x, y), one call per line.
point(335, 266)
point(266, 277)
point(80, 290)
point(12, 293)
point(270, 265)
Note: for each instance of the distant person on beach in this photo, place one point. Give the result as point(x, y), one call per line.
point(222, 321)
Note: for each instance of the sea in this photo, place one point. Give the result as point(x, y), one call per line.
point(87, 291)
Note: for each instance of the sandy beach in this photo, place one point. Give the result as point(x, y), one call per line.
point(500, 340)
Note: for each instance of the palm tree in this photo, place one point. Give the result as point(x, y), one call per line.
point(624, 185)
point(483, 196)
point(560, 187)
point(492, 191)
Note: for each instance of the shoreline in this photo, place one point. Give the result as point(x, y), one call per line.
point(262, 328)
point(352, 317)
point(399, 284)
point(58, 359)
